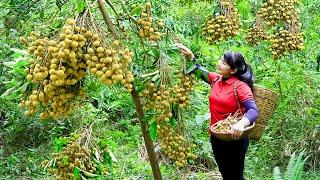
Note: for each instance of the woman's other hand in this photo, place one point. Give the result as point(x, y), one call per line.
point(185, 51)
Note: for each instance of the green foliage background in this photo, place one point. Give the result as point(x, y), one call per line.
point(25, 142)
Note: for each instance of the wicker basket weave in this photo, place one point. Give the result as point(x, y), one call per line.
point(266, 102)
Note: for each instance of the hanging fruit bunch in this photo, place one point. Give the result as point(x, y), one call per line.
point(288, 38)
point(149, 30)
point(107, 58)
point(76, 156)
point(284, 42)
point(181, 91)
point(273, 11)
point(57, 67)
point(161, 98)
point(110, 64)
point(174, 145)
point(256, 33)
point(157, 99)
point(284, 17)
point(225, 25)
point(59, 64)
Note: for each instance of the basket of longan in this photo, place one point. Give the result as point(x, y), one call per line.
point(221, 129)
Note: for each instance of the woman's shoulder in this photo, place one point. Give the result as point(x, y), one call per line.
point(243, 87)
point(213, 76)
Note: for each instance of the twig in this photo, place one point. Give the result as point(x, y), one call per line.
point(29, 6)
point(112, 7)
point(128, 14)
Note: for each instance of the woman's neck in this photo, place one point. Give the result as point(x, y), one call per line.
point(225, 78)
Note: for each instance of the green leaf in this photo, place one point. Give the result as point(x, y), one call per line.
point(137, 10)
point(76, 172)
point(41, 14)
point(65, 160)
point(21, 62)
point(202, 118)
point(277, 173)
point(59, 143)
point(18, 70)
point(19, 51)
point(80, 6)
point(8, 92)
point(153, 131)
point(107, 158)
point(289, 173)
point(14, 95)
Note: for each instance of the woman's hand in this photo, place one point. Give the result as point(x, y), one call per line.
point(238, 128)
point(185, 51)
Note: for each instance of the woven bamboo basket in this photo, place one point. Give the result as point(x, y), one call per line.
point(227, 136)
point(266, 102)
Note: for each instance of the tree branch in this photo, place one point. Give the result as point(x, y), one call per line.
point(106, 17)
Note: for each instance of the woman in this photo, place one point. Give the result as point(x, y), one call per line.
point(232, 71)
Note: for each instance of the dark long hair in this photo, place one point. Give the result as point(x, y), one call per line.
point(244, 72)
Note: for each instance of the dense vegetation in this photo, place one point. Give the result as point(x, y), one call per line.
point(107, 117)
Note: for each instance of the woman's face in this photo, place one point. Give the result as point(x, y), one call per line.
point(224, 69)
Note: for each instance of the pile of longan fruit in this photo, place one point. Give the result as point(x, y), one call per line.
point(57, 67)
point(225, 25)
point(174, 145)
point(225, 125)
point(148, 29)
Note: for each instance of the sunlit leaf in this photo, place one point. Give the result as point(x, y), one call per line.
point(80, 6)
point(153, 131)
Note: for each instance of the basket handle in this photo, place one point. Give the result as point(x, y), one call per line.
point(237, 96)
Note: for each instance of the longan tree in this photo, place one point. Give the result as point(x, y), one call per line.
point(137, 57)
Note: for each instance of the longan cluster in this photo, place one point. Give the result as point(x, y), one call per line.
point(72, 156)
point(60, 100)
point(58, 67)
point(255, 35)
point(110, 65)
point(225, 125)
point(148, 29)
point(182, 90)
point(158, 99)
point(225, 25)
point(174, 145)
point(285, 41)
point(273, 11)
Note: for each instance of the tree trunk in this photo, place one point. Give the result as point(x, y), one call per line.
point(136, 99)
point(146, 136)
